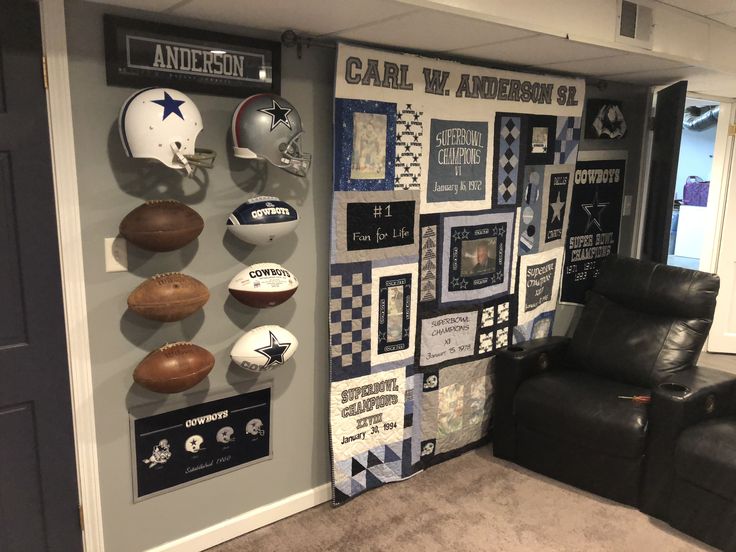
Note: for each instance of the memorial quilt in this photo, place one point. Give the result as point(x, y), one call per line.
point(449, 216)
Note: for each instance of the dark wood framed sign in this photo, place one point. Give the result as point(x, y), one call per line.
point(144, 53)
point(179, 447)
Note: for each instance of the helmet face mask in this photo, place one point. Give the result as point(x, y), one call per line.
point(266, 126)
point(163, 124)
point(293, 159)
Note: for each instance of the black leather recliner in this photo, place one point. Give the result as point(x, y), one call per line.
point(557, 405)
point(690, 476)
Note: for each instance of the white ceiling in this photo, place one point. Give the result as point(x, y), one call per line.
point(396, 24)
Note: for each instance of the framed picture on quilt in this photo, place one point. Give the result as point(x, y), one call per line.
point(366, 150)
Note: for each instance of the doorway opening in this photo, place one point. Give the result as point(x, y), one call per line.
point(688, 231)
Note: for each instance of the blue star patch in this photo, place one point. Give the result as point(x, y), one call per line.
point(275, 351)
point(170, 106)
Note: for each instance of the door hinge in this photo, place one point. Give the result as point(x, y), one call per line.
point(81, 517)
point(45, 73)
point(732, 129)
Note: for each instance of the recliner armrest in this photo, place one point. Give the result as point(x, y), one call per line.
point(512, 366)
point(695, 395)
point(682, 400)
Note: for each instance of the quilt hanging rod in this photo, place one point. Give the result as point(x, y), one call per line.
point(291, 39)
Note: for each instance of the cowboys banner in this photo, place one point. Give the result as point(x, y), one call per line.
point(595, 221)
point(445, 175)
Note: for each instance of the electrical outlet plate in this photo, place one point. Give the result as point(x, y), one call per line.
point(116, 254)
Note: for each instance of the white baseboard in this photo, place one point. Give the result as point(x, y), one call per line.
point(249, 521)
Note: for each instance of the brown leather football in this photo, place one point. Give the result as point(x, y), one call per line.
point(173, 368)
point(161, 225)
point(168, 297)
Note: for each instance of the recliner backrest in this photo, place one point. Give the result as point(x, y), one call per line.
point(644, 321)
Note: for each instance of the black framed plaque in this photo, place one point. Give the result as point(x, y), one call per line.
point(180, 447)
point(144, 53)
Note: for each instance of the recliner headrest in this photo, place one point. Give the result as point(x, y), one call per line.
point(658, 289)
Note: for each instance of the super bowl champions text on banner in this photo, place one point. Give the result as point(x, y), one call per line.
point(595, 221)
point(449, 219)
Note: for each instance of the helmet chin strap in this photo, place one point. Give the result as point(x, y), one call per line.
point(202, 158)
point(182, 159)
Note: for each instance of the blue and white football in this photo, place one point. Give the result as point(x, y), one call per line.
point(264, 348)
point(262, 219)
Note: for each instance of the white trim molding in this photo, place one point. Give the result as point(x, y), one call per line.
point(249, 521)
point(63, 161)
point(720, 176)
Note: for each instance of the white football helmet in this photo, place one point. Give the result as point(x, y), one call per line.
point(225, 435)
point(267, 126)
point(194, 444)
point(163, 124)
point(255, 427)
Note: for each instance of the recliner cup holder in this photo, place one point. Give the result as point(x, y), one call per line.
point(676, 389)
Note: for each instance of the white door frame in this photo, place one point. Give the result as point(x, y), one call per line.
point(727, 174)
point(63, 161)
point(721, 175)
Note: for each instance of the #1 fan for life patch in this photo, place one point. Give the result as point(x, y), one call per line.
point(449, 217)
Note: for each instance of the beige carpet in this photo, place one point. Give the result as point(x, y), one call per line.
point(472, 503)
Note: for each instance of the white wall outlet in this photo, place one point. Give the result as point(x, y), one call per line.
point(627, 206)
point(116, 254)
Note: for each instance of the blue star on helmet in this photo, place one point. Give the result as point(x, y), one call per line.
point(170, 106)
point(275, 351)
point(279, 115)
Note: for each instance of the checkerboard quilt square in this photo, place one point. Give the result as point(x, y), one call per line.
point(350, 293)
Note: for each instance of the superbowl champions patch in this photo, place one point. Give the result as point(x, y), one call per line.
point(457, 161)
point(367, 430)
point(447, 337)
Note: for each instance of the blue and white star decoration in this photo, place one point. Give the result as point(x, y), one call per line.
point(279, 115)
point(275, 351)
point(170, 105)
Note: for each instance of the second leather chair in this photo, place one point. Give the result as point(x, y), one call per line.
point(558, 408)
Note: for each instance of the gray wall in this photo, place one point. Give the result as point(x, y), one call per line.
point(110, 185)
point(635, 106)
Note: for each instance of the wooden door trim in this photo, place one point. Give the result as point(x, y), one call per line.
point(63, 160)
